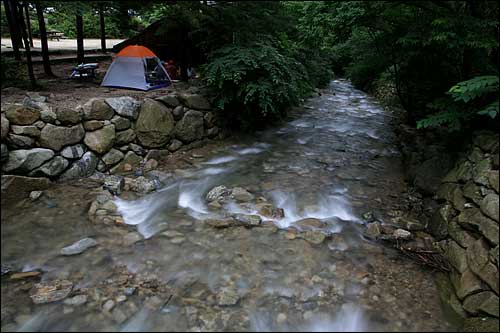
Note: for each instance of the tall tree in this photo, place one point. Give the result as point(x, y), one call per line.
point(28, 23)
point(29, 62)
point(9, 13)
point(79, 37)
point(103, 29)
point(43, 38)
point(19, 6)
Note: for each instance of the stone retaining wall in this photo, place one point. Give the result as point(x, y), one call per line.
point(105, 134)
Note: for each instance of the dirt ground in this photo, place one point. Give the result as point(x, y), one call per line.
point(67, 92)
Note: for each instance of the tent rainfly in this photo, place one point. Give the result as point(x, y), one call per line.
point(136, 67)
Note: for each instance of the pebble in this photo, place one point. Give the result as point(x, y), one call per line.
point(121, 298)
point(76, 300)
point(35, 195)
point(281, 318)
point(108, 305)
point(129, 291)
point(79, 247)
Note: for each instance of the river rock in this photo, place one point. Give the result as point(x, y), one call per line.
point(241, 194)
point(121, 123)
point(84, 167)
point(20, 141)
point(489, 206)
point(101, 140)
point(373, 230)
point(251, 220)
point(129, 162)
point(115, 184)
point(209, 119)
point(39, 124)
point(79, 247)
point(26, 160)
point(169, 100)
point(124, 137)
point(97, 109)
point(76, 300)
point(227, 297)
point(151, 164)
point(52, 168)
point(125, 106)
point(32, 131)
point(21, 115)
point(409, 223)
point(174, 145)
point(50, 291)
point(155, 124)
point(112, 157)
point(67, 116)
point(132, 238)
point(178, 112)
point(140, 184)
point(4, 126)
point(73, 152)
point(220, 223)
point(218, 193)
point(56, 137)
point(92, 125)
point(195, 101)
point(479, 263)
point(269, 211)
point(313, 236)
point(190, 127)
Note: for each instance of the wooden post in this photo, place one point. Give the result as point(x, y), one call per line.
point(103, 29)
point(28, 23)
point(43, 39)
point(79, 38)
point(12, 28)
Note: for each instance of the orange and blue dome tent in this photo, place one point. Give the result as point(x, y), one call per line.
point(136, 67)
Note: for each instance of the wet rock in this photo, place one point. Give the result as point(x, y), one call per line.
point(108, 305)
point(5, 125)
point(151, 164)
point(251, 220)
point(129, 162)
point(268, 210)
point(459, 235)
point(373, 230)
point(169, 100)
point(220, 223)
point(125, 106)
point(73, 152)
point(308, 224)
point(124, 137)
point(20, 141)
point(140, 184)
point(455, 254)
point(97, 109)
point(368, 217)
point(177, 240)
point(190, 127)
point(21, 115)
point(195, 101)
point(34, 195)
point(155, 124)
point(174, 145)
point(473, 219)
point(402, 234)
point(139, 150)
point(485, 302)
point(79, 247)
point(32, 131)
point(69, 117)
point(227, 297)
point(50, 291)
point(314, 237)
point(218, 193)
point(84, 167)
point(479, 263)
point(52, 168)
point(101, 140)
point(4, 155)
point(242, 195)
point(132, 238)
point(290, 235)
point(490, 205)
point(115, 184)
point(112, 157)
point(466, 283)
point(56, 137)
point(24, 161)
point(120, 123)
point(76, 300)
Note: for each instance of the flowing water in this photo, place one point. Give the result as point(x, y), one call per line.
point(334, 160)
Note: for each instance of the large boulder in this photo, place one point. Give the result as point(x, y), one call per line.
point(124, 137)
point(52, 168)
point(480, 264)
point(84, 167)
point(68, 116)
point(97, 109)
point(20, 141)
point(473, 219)
point(5, 126)
point(101, 140)
point(56, 137)
point(112, 157)
point(46, 113)
point(155, 124)
point(195, 101)
point(73, 152)
point(190, 127)
point(22, 161)
point(125, 106)
point(22, 115)
point(31, 130)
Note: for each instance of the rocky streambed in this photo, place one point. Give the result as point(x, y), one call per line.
point(270, 232)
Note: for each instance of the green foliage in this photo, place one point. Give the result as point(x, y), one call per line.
point(13, 73)
point(255, 82)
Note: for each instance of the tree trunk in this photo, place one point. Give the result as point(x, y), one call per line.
point(43, 39)
point(28, 23)
point(12, 28)
point(31, 74)
point(103, 29)
point(79, 39)
point(21, 24)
